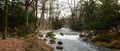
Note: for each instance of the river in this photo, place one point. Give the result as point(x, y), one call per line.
point(72, 41)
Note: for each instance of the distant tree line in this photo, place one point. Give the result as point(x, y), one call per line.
point(96, 15)
point(21, 16)
point(14, 17)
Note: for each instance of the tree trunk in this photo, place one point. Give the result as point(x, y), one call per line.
point(50, 14)
point(36, 13)
point(5, 19)
point(27, 18)
point(42, 15)
point(116, 29)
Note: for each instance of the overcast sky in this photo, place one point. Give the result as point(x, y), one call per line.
point(65, 10)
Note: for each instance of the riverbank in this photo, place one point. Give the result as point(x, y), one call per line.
point(110, 41)
point(107, 45)
point(27, 43)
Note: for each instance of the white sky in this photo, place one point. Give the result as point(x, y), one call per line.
point(64, 4)
point(65, 10)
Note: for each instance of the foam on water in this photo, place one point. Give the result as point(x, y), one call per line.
point(72, 42)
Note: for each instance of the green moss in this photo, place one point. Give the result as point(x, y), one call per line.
point(50, 35)
point(108, 36)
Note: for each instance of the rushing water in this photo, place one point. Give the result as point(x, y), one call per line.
point(72, 41)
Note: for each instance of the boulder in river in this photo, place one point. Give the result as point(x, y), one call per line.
point(85, 39)
point(61, 34)
point(82, 35)
point(59, 47)
point(45, 39)
point(40, 35)
point(50, 35)
point(60, 43)
point(52, 41)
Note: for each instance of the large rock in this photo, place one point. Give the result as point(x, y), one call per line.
point(59, 47)
point(60, 43)
point(50, 35)
point(40, 35)
point(52, 41)
point(45, 39)
point(61, 34)
point(85, 39)
point(82, 35)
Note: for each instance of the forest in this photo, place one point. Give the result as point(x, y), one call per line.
point(37, 25)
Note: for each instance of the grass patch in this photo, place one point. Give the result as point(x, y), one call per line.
point(108, 37)
point(108, 40)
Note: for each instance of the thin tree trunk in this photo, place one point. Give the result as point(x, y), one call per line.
point(27, 18)
point(50, 14)
point(42, 15)
point(5, 19)
point(36, 13)
point(116, 29)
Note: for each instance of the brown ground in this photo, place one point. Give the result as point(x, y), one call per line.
point(12, 45)
point(29, 43)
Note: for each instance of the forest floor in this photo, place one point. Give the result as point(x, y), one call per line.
point(108, 45)
point(12, 45)
point(113, 43)
point(27, 43)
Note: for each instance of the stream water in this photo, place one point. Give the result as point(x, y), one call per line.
point(72, 42)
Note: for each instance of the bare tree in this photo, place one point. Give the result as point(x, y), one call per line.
point(74, 7)
point(36, 13)
point(51, 12)
point(40, 21)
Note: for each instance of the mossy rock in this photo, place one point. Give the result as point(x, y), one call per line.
point(50, 35)
point(54, 38)
point(52, 41)
point(40, 35)
point(45, 39)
